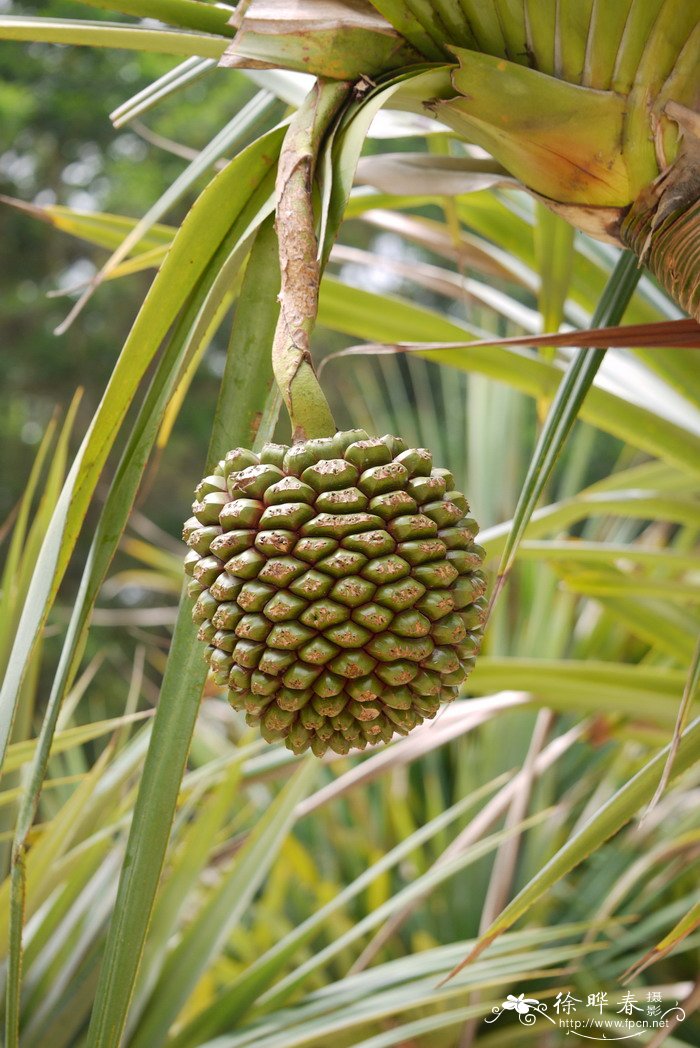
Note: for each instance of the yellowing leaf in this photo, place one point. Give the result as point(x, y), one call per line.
point(559, 139)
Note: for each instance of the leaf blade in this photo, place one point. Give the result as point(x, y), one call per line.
point(607, 820)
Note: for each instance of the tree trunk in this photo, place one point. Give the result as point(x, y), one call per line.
point(663, 225)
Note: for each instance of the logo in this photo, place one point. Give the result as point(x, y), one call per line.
point(525, 1007)
point(600, 1019)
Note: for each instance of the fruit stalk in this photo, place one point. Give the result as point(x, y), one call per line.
point(299, 264)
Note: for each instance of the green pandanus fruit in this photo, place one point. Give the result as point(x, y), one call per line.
point(591, 104)
point(337, 588)
point(337, 582)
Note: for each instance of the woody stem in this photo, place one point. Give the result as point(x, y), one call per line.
point(299, 264)
point(663, 225)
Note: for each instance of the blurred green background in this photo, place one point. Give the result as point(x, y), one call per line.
point(57, 146)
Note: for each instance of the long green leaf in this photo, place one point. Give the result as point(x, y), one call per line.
point(642, 692)
point(109, 34)
point(192, 326)
point(355, 1007)
point(576, 551)
point(210, 810)
point(687, 924)
point(637, 504)
point(189, 14)
point(602, 825)
point(113, 520)
point(9, 589)
point(221, 203)
point(565, 410)
point(692, 685)
point(388, 320)
point(178, 706)
point(20, 753)
point(101, 228)
point(208, 934)
point(237, 998)
point(554, 244)
point(174, 80)
point(225, 140)
point(438, 874)
point(53, 844)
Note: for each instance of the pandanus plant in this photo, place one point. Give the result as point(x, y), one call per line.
point(337, 580)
